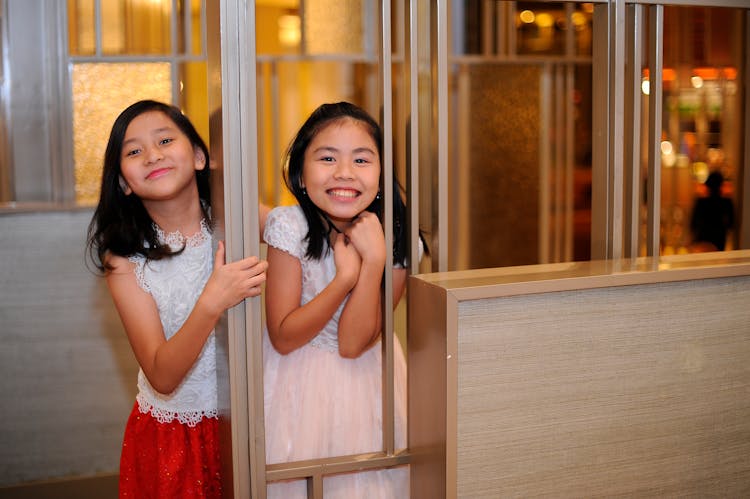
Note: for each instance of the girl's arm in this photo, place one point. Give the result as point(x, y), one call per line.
point(399, 285)
point(290, 325)
point(263, 211)
point(354, 339)
point(361, 319)
point(166, 362)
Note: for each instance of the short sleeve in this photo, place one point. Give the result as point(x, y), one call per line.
point(286, 228)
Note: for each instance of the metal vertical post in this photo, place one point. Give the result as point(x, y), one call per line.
point(442, 132)
point(633, 132)
point(617, 126)
point(656, 61)
point(387, 173)
point(232, 68)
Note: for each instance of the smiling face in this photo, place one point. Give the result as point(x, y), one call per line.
point(342, 170)
point(158, 161)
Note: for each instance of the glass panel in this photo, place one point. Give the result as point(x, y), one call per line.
point(499, 196)
point(474, 14)
point(521, 140)
point(113, 27)
point(193, 95)
point(183, 37)
point(100, 92)
point(325, 35)
point(290, 91)
point(582, 136)
point(582, 22)
point(136, 27)
point(701, 126)
point(279, 28)
point(540, 28)
point(189, 27)
point(321, 15)
point(289, 28)
point(196, 27)
point(81, 27)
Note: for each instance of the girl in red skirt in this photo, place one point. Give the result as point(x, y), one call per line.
point(151, 237)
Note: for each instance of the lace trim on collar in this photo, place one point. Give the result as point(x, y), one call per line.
point(176, 240)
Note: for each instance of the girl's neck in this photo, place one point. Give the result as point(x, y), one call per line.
point(184, 218)
point(334, 226)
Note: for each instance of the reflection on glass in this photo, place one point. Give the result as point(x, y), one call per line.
point(318, 29)
point(136, 27)
point(582, 22)
point(130, 28)
point(100, 92)
point(700, 123)
point(501, 198)
point(349, 20)
point(190, 37)
point(81, 27)
point(300, 86)
point(521, 133)
point(543, 28)
point(193, 91)
point(290, 30)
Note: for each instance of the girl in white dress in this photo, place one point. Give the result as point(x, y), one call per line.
point(322, 352)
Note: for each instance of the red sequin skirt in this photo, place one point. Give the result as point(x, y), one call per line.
point(169, 460)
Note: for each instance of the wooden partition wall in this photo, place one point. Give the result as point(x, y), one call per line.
point(582, 380)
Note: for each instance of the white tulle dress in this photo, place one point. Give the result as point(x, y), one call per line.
point(319, 404)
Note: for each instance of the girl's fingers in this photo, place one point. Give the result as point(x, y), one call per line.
point(257, 279)
point(219, 256)
point(366, 235)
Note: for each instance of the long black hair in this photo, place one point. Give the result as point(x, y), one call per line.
point(121, 225)
point(318, 225)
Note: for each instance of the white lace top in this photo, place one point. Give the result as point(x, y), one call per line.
point(175, 284)
point(286, 228)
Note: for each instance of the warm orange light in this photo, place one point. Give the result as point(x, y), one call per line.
point(706, 73)
point(728, 72)
point(527, 16)
point(290, 32)
point(667, 74)
point(544, 20)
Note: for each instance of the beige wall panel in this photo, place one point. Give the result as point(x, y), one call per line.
point(68, 374)
point(636, 391)
point(587, 380)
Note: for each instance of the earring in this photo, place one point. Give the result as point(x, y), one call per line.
point(304, 191)
point(377, 196)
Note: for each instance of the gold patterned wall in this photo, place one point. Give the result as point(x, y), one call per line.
point(504, 116)
point(334, 27)
point(100, 92)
